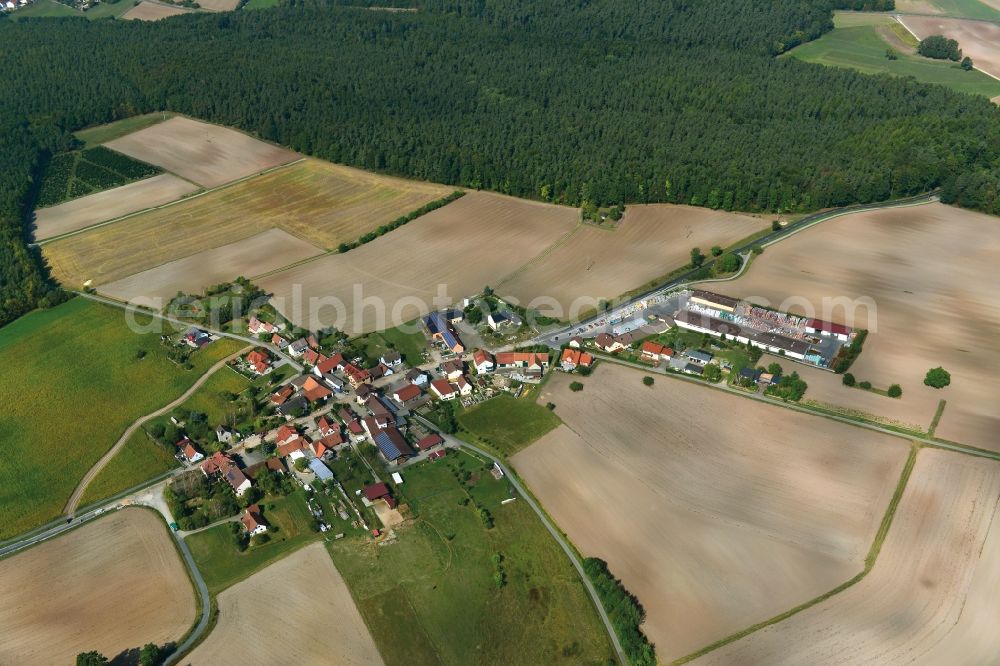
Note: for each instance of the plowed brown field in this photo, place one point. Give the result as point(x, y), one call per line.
point(716, 512)
point(931, 273)
point(112, 585)
point(296, 611)
point(595, 264)
point(206, 154)
point(931, 596)
point(456, 251)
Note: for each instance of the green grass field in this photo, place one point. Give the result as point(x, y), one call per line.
point(856, 44)
point(51, 8)
point(73, 383)
point(508, 424)
point(222, 565)
point(410, 344)
point(140, 459)
point(44, 9)
point(94, 136)
point(261, 4)
point(437, 580)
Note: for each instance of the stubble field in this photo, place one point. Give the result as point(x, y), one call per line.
point(715, 511)
point(112, 585)
point(206, 154)
point(980, 40)
point(651, 241)
point(298, 610)
point(465, 246)
point(931, 596)
point(930, 271)
point(322, 203)
point(81, 213)
point(266, 251)
point(151, 11)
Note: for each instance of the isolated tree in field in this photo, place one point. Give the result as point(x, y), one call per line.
point(848, 379)
point(775, 225)
point(716, 250)
point(890, 54)
point(647, 380)
point(940, 48)
point(967, 63)
point(92, 658)
point(937, 377)
point(895, 391)
point(697, 258)
point(865, 385)
point(576, 386)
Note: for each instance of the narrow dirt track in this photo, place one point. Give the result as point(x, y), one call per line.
point(74, 499)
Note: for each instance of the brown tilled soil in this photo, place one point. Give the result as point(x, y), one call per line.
point(266, 251)
point(716, 511)
point(151, 11)
point(112, 585)
point(92, 209)
point(931, 596)
point(979, 40)
point(463, 247)
point(206, 154)
point(931, 272)
point(595, 263)
point(296, 611)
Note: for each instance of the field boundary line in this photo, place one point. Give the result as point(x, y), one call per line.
point(857, 422)
point(183, 199)
point(74, 499)
point(932, 428)
point(872, 556)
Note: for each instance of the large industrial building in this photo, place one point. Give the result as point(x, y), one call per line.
point(804, 339)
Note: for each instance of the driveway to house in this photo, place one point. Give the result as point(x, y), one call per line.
point(74, 499)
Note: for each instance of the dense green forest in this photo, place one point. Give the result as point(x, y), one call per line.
point(600, 101)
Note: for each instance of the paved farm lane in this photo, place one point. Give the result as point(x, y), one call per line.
point(457, 443)
point(74, 499)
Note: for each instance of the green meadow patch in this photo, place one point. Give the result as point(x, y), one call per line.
point(140, 459)
point(75, 377)
point(508, 424)
point(467, 592)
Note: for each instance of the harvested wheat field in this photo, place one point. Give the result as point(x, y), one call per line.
point(980, 40)
point(930, 271)
point(219, 5)
point(716, 511)
point(112, 585)
point(322, 203)
point(152, 11)
point(461, 248)
point(931, 596)
point(296, 611)
point(206, 154)
point(94, 208)
point(266, 251)
point(596, 263)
